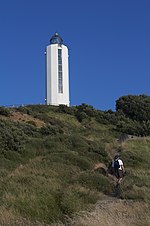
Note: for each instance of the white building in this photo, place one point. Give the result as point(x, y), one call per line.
point(57, 75)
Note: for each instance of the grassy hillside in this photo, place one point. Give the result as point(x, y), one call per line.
point(47, 160)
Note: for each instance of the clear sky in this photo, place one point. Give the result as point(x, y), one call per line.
point(109, 48)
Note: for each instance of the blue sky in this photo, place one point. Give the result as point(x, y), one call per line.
point(109, 48)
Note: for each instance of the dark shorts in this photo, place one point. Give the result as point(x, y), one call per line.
point(119, 174)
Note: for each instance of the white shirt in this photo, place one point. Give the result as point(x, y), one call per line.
point(120, 163)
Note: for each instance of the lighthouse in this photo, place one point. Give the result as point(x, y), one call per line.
point(57, 72)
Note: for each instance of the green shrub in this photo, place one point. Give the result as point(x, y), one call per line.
point(87, 109)
point(50, 130)
point(81, 116)
point(65, 109)
point(135, 107)
point(11, 137)
point(99, 150)
point(41, 108)
point(13, 156)
point(74, 200)
point(77, 141)
point(5, 111)
point(75, 159)
point(24, 110)
point(6, 164)
point(28, 129)
point(95, 181)
point(71, 203)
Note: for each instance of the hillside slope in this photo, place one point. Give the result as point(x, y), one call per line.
point(46, 169)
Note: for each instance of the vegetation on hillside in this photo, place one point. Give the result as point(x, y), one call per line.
point(46, 168)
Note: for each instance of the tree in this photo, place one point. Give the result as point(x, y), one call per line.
point(134, 107)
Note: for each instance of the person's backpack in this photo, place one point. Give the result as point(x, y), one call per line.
point(116, 164)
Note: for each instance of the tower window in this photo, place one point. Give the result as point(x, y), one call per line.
point(60, 76)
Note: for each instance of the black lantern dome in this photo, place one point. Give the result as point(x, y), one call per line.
point(56, 39)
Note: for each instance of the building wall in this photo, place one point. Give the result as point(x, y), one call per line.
point(53, 97)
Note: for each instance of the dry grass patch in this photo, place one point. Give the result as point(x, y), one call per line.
point(114, 213)
point(6, 216)
point(18, 116)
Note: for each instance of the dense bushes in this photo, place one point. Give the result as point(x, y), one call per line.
point(36, 109)
point(50, 130)
point(11, 137)
point(135, 107)
point(131, 116)
point(4, 111)
point(136, 113)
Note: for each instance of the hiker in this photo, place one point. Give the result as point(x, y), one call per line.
point(118, 167)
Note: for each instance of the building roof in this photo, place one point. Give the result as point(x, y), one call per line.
point(56, 39)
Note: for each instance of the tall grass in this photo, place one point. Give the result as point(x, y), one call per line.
point(136, 155)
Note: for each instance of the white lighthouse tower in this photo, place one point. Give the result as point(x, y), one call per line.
point(57, 75)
